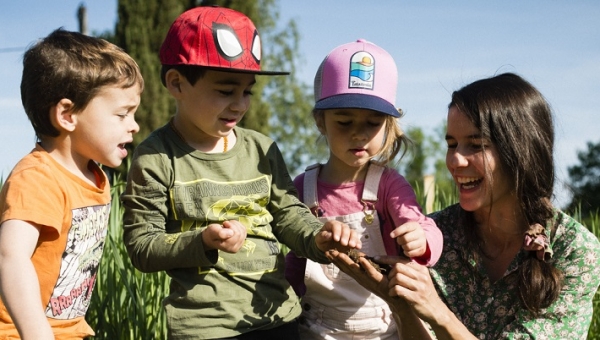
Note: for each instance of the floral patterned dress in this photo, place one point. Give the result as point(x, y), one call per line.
point(492, 310)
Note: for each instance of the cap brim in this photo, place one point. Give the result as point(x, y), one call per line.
point(236, 70)
point(357, 101)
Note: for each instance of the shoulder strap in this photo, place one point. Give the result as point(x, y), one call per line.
point(311, 174)
point(371, 182)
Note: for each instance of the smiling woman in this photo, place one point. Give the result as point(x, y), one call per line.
point(513, 266)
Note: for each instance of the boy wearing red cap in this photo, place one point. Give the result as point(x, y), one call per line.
point(209, 202)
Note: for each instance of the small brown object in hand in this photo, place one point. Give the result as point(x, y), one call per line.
point(355, 255)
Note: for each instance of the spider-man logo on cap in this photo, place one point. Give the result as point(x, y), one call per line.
point(214, 37)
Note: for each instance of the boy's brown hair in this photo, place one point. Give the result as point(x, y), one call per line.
point(74, 66)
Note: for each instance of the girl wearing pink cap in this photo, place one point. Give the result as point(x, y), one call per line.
point(355, 91)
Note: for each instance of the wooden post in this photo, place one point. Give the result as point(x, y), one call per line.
point(429, 190)
point(82, 17)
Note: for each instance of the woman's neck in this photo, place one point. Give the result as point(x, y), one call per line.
point(500, 232)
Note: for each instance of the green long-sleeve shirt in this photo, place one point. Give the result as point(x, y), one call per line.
point(174, 191)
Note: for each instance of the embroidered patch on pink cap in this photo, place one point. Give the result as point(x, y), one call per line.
point(357, 75)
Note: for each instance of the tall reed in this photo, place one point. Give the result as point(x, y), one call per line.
point(126, 303)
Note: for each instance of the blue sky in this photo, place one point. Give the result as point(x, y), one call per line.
point(438, 45)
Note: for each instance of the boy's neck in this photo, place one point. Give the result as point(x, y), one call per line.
point(203, 142)
point(63, 155)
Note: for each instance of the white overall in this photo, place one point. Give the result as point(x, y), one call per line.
point(335, 305)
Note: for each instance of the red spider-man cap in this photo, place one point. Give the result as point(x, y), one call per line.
point(214, 37)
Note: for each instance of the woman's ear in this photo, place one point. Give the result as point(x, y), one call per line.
point(173, 81)
point(62, 115)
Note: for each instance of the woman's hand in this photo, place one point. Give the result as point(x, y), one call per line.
point(412, 283)
point(365, 274)
point(410, 326)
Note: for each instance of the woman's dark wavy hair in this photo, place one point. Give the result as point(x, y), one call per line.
point(516, 118)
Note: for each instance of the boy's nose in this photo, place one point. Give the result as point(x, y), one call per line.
point(241, 104)
point(135, 127)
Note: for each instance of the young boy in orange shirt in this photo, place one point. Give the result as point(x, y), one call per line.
point(80, 94)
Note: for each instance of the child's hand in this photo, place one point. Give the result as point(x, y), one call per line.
point(337, 235)
point(411, 237)
point(228, 237)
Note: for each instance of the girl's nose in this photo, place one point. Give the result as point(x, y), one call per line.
point(359, 133)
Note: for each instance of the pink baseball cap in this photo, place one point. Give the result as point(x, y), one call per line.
point(214, 37)
point(358, 75)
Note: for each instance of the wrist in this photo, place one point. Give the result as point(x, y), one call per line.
point(205, 245)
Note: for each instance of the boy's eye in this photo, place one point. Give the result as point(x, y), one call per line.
point(248, 93)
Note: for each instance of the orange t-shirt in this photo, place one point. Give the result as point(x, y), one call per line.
point(74, 219)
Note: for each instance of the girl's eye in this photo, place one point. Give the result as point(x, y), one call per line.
point(226, 93)
point(248, 93)
point(451, 145)
point(375, 124)
point(344, 123)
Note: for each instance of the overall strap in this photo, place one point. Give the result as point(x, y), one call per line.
point(369, 195)
point(311, 174)
point(372, 182)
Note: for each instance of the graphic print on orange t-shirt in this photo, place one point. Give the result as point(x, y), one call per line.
point(79, 265)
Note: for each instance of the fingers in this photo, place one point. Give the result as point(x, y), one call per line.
point(370, 269)
point(340, 259)
point(228, 237)
point(335, 234)
point(235, 226)
point(405, 228)
point(411, 237)
point(343, 234)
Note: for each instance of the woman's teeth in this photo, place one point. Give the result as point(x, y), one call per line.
point(468, 182)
